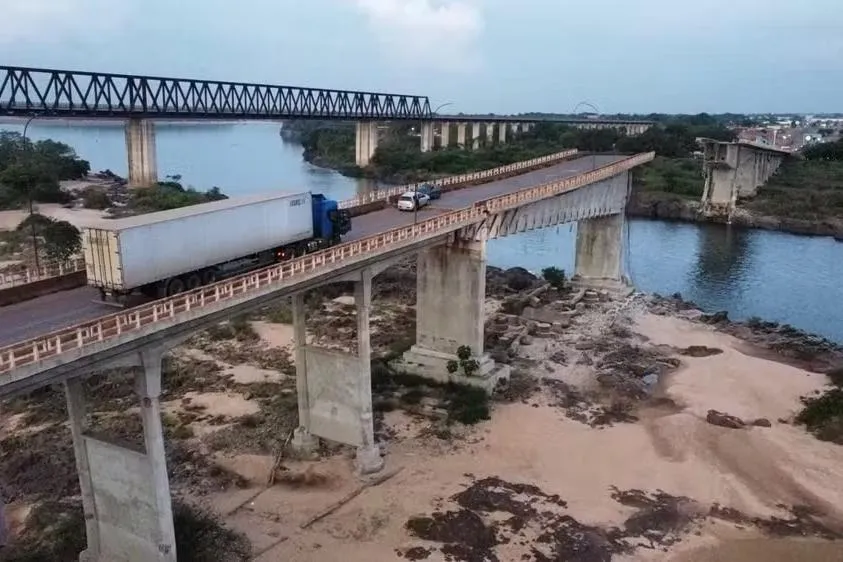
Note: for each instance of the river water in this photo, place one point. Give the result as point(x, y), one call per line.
point(775, 276)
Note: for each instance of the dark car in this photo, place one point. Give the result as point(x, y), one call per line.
point(432, 191)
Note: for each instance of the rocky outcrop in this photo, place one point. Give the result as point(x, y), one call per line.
point(672, 207)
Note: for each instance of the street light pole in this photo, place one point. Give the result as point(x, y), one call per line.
point(29, 196)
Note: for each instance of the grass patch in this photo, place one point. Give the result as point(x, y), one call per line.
point(802, 189)
point(467, 404)
point(822, 415)
point(238, 328)
point(681, 177)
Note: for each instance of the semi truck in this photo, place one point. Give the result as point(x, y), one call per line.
point(165, 253)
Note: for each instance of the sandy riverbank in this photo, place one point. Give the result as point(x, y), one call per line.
point(600, 448)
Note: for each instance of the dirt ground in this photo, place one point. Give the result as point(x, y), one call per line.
point(602, 446)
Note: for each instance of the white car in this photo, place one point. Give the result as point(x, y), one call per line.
point(412, 200)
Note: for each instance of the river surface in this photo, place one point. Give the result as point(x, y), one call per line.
point(774, 276)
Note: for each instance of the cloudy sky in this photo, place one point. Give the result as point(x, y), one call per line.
point(503, 56)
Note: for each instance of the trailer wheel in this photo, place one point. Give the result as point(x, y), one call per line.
point(175, 286)
point(193, 281)
point(209, 276)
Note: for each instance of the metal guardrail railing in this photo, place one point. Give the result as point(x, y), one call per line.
point(109, 329)
point(31, 274)
point(382, 194)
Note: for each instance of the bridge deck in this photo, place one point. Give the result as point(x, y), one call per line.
point(51, 312)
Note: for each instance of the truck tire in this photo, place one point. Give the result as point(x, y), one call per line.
point(175, 286)
point(209, 276)
point(194, 281)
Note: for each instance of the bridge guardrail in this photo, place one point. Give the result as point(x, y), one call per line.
point(165, 310)
point(48, 271)
point(382, 194)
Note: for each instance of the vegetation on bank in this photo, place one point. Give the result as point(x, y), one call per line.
point(31, 171)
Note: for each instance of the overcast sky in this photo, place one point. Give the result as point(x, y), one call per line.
point(502, 56)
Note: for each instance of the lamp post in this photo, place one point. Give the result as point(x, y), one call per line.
point(29, 196)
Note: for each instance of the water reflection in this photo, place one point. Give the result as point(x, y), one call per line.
point(723, 256)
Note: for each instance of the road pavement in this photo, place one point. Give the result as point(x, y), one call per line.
point(39, 316)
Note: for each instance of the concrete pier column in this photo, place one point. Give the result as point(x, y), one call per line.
point(444, 134)
point(501, 133)
point(450, 293)
point(369, 458)
point(599, 253)
point(514, 128)
point(366, 142)
point(335, 387)
point(303, 442)
point(490, 133)
point(125, 492)
point(427, 136)
point(475, 136)
point(461, 135)
point(140, 146)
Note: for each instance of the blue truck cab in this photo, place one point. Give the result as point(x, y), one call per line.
point(330, 222)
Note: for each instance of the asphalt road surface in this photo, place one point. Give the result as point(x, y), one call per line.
point(39, 316)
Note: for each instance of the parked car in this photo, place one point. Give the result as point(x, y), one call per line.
point(412, 200)
point(432, 191)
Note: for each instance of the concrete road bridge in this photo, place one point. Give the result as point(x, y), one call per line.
point(735, 170)
point(126, 494)
point(143, 100)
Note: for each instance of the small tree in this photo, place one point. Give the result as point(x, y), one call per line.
point(468, 365)
point(61, 240)
point(555, 276)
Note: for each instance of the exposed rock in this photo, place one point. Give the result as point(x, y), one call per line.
point(724, 420)
point(762, 422)
point(700, 351)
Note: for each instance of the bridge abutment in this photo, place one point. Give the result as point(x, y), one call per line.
point(365, 143)
point(335, 387)
point(125, 492)
point(450, 314)
point(598, 261)
point(140, 146)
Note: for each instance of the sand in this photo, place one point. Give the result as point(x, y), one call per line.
point(752, 470)
point(9, 220)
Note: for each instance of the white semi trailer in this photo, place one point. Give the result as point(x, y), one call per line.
point(167, 252)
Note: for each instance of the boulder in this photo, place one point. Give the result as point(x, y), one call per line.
point(724, 420)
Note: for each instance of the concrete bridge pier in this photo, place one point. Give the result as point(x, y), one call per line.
point(140, 146)
point(490, 133)
point(461, 134)
point(598, 262)
point(335, 387)
point(365, 143)
point(501, 133)
point(125, 492)
point(444, 134)
point(514, 128)
point(427, 137)
point(451, 293)
point(475, 136)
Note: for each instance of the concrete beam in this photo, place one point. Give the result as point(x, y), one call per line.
point(125, 493)
point(140, 146)
point(366, 142)
point(450, 313)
